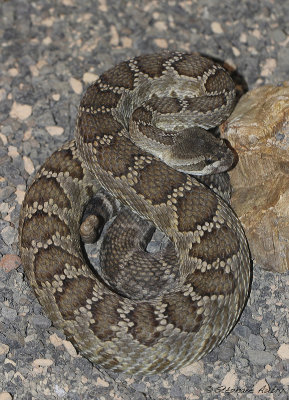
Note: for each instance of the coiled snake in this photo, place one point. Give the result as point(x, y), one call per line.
point(143, 129)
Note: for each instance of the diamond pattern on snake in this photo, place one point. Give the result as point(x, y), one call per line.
point(144, 139)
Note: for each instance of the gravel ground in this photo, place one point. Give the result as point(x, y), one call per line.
point(50, 51)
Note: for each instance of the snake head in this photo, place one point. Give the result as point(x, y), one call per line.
point(198, 152)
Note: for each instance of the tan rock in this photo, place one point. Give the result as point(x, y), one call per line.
point(285, 381)
point(216, 27)
point(230, 380)
point(55, 340)
point(89, 77)
point(76, 85)
point(12, 152)
point(197, 368)
point(258, 129)
point(101, 382)
point(161, 43)
point(114, 40)
point(54, 130)
point(3, 138)
point(5, 396)
point(261, 387)
point(70, 348)
point(20, 111)
point(9, 262)
point(42, 362)
point(28, 165)
point(126, 42)
point(4, 349)
point(283, 351)
point(20, 193)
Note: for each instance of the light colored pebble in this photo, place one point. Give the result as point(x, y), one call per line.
point(4, 207)
point(102, 6)
point(216, 27)
point(230, 379)
point(42, 362)
point(283, 351)
point(76, 85)
point(126, 42)
point(5, 396)
point(68, 3)
point(197, 368)
point(9, 262)
point(161, 25)
point(12, 151)
point(55, 340)
point(56, 96)
point(8, 361)
point(47, 41)
point(114, 40)
point(20, 193)
point(13, 72)
point(70, 348)
point(261, 387)
point(59, 391)
point(89, 77)
point(268, 67)
point(236, 51)
point(4, 349)
point(257, 33)
point(101, 382)
point(161, 43)
point(285, 381)
point(20, 111)
point(27, 134)
point(3, 138)
point(2, 94)
point(54, 130)
point(243, 37)
point(34, 70)
point(28, 165)
point(48, 22)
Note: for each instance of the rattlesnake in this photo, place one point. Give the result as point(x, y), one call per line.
point(139, 136)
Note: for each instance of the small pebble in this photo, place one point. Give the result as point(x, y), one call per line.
point(10, 262)
point(89, 77)
point(42, 362)
point(28, 165)
point(76, 85)
point(283, 351)
point(161, 43)
point(21, 111)
point(4, 349)
point(5, 396)
point(261, 387)
point(101, 382)
point(216, 27)
point(268, 67)
point(54, 130)
point(70, 348)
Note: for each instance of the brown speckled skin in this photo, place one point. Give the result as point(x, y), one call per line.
point(160, 311)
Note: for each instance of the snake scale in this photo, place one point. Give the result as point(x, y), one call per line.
point(144, 137)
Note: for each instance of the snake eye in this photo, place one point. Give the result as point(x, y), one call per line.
point(209, 161)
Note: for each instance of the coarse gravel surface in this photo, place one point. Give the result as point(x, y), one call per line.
point(51, 51)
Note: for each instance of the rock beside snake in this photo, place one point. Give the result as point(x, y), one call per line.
point(139, 136)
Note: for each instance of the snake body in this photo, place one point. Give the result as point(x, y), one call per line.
point(140, 136)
